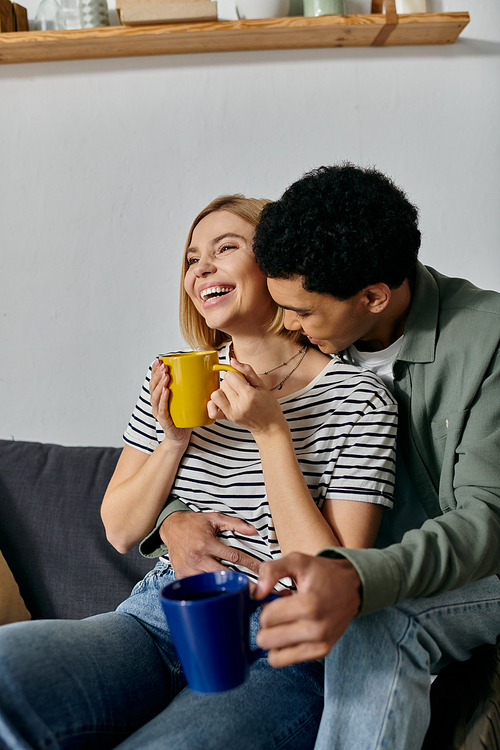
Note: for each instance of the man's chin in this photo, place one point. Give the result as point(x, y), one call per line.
point(326, 347)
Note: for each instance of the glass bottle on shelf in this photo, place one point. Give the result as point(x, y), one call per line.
point(49, 16)
point(71, 12)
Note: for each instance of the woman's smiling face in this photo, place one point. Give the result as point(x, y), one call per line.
point(222, 279)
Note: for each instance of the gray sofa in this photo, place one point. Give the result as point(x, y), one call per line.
point(51, 533)
point(54, 543)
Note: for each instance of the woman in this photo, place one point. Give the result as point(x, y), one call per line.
point(114, 679)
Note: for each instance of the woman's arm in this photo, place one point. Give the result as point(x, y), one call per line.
point(137, 492)
point(300, 525)
point(141, 483)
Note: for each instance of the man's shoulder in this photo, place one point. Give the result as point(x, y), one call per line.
point(450, 317)
point(461, 295)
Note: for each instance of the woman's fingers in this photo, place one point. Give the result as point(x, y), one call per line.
point(250, 375)
point(159, 380)
point(159, 397)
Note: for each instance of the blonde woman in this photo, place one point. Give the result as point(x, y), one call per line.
point(301, 457)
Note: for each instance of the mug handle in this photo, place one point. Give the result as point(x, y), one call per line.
point(218, 368)
point(257, 653)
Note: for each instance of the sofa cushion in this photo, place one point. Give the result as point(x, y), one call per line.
point(51, 532)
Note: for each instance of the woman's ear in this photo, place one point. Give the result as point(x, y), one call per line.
point(378, 297)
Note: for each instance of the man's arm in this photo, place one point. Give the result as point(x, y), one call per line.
point(191, 540)
point(153, 545)
point(461, 545)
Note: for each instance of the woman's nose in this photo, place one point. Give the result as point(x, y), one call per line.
point(204, 266)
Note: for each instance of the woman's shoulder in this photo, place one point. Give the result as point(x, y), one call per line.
point(343, 379)
point(357, 379)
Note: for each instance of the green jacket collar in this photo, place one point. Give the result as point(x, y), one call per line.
point(419, 341)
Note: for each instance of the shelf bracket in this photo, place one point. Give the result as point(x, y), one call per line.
point(391, 20)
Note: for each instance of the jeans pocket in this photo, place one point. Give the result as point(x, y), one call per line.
point(159, 571)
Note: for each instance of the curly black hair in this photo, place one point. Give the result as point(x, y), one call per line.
point(342, 228)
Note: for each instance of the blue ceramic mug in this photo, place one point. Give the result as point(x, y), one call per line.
point(208, 616)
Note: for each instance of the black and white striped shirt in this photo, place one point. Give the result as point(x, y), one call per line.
point(343, 426)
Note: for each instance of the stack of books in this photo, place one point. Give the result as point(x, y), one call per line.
point(13, 17)
point(140, 12)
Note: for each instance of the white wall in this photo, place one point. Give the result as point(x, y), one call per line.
point(104, 163)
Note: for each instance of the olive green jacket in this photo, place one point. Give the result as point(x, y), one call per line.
point(447, 383)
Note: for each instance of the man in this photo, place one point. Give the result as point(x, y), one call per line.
point(340, 251)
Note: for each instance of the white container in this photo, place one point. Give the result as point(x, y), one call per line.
point(411, 6)
point(262, 8)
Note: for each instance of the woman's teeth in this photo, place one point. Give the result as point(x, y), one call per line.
point(214, 291)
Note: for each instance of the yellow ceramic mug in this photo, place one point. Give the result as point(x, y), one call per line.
point(194, 376)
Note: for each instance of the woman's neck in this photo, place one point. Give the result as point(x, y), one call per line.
point(263, 352)
point(285, 366)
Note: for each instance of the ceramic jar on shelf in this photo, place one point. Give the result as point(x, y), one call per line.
point(324, 7)
point(93, 13)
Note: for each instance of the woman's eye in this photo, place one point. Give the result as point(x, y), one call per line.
point(191, 261)
point(224, 248)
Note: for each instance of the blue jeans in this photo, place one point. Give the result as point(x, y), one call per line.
point(114, 680)
point(377, 677)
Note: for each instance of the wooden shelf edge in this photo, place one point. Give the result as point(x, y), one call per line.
point(297, 32)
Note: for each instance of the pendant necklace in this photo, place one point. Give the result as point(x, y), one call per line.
point(279, 385)
point(303, 351)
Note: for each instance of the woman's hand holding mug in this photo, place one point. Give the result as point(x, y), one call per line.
point(160, 394)
point(246, 401)
point(193, 377)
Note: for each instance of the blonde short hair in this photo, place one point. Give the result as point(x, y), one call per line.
point(192, 323)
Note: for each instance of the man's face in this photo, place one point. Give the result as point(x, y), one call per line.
point(329, 323)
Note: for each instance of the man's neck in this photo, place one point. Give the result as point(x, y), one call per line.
point(391, 322)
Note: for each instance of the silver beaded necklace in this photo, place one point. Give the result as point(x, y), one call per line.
point(279, 385)
point(266, 372)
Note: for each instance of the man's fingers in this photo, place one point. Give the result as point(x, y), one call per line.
point(303, 652)
point(193, 544)
point(294, 639)
point(242, 559)
point(285, 567)
point(217, 550)
point(234, 556)
point(296, 608)
point(226, 523)
point(207, 565)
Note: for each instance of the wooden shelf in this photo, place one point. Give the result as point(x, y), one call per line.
point(295, 32)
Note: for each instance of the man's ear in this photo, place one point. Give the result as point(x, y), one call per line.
point(377, 297)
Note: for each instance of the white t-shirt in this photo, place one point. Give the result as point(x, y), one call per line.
point(343, 426)
point(408, 512)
